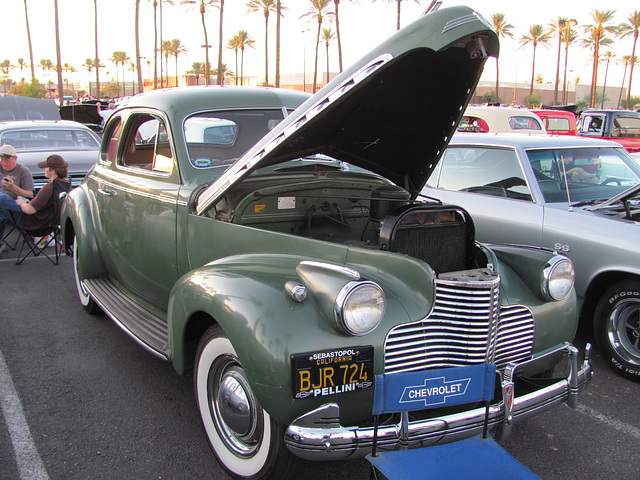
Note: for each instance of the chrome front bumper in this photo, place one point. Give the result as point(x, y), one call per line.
point(318, 434)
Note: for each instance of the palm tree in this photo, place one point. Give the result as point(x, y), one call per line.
point(327, 36)
point(502, 29)
point(89, 65)
point(47, 65)
point(58, 55)
point(220, 70)
point(608, 56)
point(399, 2)
point(137, 64)
point(234, 44)
point(155, 43)
point(318, 12)
point(203, 6)
point(568, 37)
point(626, 29)
point(593, 41)
point(197, 69)
point(5, 66)
point(266, 7)
point(245, 41)
point(279, 9)
point(26, 17)
point(596, 35)
point(119, 57)
point(536, 36)
point(22, 66)
point(177, 49)
point(225, 72)
point(557, 27)
point(132, 68)
point(96, 61)
point(165, 48)
point(68, 69)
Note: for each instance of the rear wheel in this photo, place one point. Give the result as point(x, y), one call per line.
point(617, 328)
point(85, 299)
point(246, 441)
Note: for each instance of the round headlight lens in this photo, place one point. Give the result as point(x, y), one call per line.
point(558, 278)
point(360, 307)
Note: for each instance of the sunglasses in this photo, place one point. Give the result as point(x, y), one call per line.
point(5, 157)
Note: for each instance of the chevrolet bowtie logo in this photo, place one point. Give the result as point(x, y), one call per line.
point(434, 391)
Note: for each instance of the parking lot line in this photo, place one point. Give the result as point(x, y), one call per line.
point(30, 466)
point(612, 422)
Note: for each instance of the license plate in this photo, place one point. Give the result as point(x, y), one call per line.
point(330, 372)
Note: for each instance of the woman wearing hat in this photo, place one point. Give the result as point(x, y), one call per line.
point(35, 213)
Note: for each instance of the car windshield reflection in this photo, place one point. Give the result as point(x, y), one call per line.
point(221, 137)
point(581, 174)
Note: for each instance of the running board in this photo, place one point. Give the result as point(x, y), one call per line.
point(149, 330)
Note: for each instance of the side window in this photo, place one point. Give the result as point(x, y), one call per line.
point(557, 124)
point(473, 124)
point(147, 145)
point(111, 138)
point(488, 171)
point(592, 125)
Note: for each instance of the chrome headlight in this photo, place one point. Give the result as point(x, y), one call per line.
point(359, 307)
point(558, 278)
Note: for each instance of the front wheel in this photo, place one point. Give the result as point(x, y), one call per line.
point(617, 328)
point(246, 441)
point(85, 299)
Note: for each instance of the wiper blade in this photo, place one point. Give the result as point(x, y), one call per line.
point(594, 202)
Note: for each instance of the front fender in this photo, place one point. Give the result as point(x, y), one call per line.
point(245, 295)
point(76, 223)
point(520, 269)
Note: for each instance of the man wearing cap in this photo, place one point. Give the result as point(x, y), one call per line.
point(33, 213)
point(15, 180)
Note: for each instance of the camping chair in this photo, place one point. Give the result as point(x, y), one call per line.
point(49, 232)
point(478, 457)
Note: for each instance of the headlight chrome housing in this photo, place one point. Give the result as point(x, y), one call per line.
point(359, 307)
point(558, 277)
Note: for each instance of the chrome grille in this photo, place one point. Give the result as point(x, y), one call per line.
point(467, 326)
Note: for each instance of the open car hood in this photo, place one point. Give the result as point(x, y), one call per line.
point(393, 112)
point(86, 113)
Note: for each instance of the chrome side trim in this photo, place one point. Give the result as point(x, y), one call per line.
point(318, 435)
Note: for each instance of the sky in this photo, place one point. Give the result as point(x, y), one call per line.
point(363, 24)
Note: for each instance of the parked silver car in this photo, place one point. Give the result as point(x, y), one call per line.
point(35, 140)
point(578, 196)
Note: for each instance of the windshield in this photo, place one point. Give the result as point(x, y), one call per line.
point(220, 137)
point(582, 174)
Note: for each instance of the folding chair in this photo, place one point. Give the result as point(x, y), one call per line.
point(477, 458)
point(50, 231)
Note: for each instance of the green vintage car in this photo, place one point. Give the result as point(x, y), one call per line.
point(277, 245)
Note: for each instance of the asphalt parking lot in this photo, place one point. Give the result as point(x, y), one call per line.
point(80, 400)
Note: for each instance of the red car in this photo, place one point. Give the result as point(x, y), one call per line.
point(558, 122)
point(622, 126)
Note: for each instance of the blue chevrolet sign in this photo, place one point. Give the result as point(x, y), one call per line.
point(435, 391)
point(434, 388)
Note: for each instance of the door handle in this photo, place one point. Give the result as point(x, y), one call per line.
point(106, 193)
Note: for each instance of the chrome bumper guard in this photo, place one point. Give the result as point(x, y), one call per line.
point(318, 434)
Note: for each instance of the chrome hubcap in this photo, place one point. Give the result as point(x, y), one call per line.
point(236, 413)
point(624, 330)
